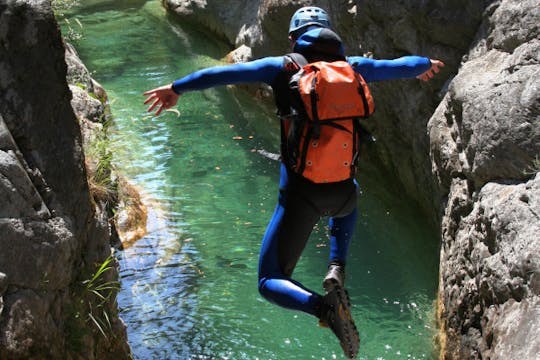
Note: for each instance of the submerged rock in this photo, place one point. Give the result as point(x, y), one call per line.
point(131, 217)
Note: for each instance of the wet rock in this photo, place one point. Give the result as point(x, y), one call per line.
point(89, 111)
point(77, 73)
point(27, 314)
point(131, 218)
point(27, 247)
point(241, 54)
point(512, 330)
point(491, 95)
point(19, 196)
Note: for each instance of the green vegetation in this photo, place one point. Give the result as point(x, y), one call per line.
point(95, 305)
point(99, 164)
point(61, 8)
point(100, 292)
point(92, 312)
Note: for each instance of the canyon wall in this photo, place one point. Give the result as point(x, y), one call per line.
point(465, 145)
point(54, 230)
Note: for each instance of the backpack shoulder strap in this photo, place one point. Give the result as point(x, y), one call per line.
point(293, 62)
point(298, 59)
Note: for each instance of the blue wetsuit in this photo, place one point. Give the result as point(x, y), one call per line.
point(301, 203)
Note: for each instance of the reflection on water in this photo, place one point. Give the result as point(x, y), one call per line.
point(189, 287)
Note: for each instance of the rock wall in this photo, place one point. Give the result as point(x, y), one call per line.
point(485, 143)
point(53, 235)
point(438, 29)
point(465, 145)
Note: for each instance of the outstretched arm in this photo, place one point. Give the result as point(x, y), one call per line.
point(400, 68)
point(434, 69)
point(262, 70)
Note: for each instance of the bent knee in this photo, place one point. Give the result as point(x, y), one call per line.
point(263, 290)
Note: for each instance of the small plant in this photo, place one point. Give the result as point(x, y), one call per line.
point(60, 8)
point(100, 293)
point(99, 164)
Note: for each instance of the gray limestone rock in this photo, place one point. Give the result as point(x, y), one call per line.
point(490, 259)
point(51, 233)
point(484, 146)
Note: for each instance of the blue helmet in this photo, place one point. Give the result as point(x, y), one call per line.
point(309, 15)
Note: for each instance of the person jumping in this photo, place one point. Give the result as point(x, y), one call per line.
point(301, 202)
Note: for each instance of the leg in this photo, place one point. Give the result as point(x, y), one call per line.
point(283, 243)
point(336, 307)
point(341, 231)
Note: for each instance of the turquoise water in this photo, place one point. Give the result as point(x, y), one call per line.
point(189, 287)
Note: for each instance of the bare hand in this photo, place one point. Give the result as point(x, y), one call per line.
point(163, 96)
point(434, 69)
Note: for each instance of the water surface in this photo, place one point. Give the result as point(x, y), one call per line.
point(189, 288)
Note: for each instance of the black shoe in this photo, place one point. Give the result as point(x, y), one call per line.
point(336, 315)
point(335, 274)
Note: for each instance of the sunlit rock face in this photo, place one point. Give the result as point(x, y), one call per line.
point(484, 145)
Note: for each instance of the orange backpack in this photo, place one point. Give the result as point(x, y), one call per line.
point(322, 131)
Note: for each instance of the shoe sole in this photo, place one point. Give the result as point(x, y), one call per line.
point(351, 344)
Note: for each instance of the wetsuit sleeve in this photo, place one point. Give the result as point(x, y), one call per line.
point(377, 70)
point(261, 70)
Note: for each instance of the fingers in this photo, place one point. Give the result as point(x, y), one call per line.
point(149, 98)
point(162, 98)
point(153, 95)
point(436, 65)
point(154, 104)
point(160, 109)
point(424, 76)
point(434, 69)
point(439, 63)
point(162, 103)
